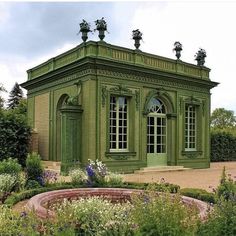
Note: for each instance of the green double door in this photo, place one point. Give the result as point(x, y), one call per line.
point(156, 139)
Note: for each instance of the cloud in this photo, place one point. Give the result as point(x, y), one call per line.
point(34, 28)
point(31, 33)
point(195, 25)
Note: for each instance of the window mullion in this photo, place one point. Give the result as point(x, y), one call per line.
point(117, 123)
point(188, 138)
point(155, 134)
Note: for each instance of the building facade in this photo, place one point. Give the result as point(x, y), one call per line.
point(128, 108)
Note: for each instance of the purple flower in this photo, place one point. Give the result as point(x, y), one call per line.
point(49, 176)
point(90, 171)
point(146, 199)
point(23, 214)
point(40, 180)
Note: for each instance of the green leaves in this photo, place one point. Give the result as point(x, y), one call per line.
point(14, 136)
point(223, 146)
point(222, 118)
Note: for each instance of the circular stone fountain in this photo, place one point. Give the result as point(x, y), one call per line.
point(39, 203)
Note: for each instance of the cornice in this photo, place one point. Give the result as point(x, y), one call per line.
point(159, 79)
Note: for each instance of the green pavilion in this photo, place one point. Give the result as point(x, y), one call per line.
point(128, 108)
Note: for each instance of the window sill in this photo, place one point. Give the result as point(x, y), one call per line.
point(192, 154)
point(120, 155)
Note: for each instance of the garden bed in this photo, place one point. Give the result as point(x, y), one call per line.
point(41, 202)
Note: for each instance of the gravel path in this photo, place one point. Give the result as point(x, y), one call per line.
point(193, 178)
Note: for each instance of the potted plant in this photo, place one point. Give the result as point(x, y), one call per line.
point(84, 29)
point(200, 57)
point(137, 36)
point(101, 26)
point(178, 48)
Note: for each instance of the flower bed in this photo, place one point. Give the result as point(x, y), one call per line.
point(41, 202)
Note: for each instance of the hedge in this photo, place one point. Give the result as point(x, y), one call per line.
point(17, 197)
point(223, 146)
point(199, 194)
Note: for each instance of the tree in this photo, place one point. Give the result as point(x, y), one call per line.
point(15, 96)
point(2, 89)
point(14, 135)
point(223, 119)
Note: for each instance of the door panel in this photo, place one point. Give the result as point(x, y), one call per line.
point(156, 140)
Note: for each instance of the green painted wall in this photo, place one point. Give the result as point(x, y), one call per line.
point(103, 70)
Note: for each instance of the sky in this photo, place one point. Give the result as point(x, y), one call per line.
point(33, 32)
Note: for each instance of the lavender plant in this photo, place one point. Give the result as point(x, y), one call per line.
point(96, 172)
point(49, 177)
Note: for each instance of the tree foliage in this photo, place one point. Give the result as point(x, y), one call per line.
point(15, 96)
point(2, 89)
point(223, 146)
point(222, 119)
point(14, 134)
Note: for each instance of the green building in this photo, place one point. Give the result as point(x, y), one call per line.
point(128, 108)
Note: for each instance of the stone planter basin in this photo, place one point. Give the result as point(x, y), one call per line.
point(39, 203)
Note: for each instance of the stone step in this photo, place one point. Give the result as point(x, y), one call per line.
point(52, 165)
point(53, 170)
point(155, 169)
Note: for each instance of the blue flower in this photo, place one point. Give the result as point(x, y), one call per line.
point(90, 171)
point(40, 180)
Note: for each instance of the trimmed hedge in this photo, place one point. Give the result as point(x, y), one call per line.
point(17, 197)
point(223, 146)
point(199, 194)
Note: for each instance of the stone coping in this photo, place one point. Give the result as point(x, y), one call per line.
point(118, 54)
point(39, 201)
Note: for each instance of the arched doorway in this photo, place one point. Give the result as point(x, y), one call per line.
point(156, 133)
point(60, 103)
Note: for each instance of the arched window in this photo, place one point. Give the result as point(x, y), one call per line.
point(156, 106)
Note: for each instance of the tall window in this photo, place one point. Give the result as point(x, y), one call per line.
point(190, 128)
point(156, 127)
point(118, 124)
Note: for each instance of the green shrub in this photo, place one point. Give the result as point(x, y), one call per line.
point(28, 224)
point(221, 221)
point(227, 188)
point(163, 186)
point(14, 136)
point(223, 146)
point(7, 183)
point(31, 184)
point(199, 194)
point(163, 215)
point(10, 166)
point(114, 179)
point(26, 194)
point(21, 181)
point(78, 176)
point(13, 168)
point(34, 168)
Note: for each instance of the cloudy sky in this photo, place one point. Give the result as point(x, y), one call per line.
point(33, 32)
